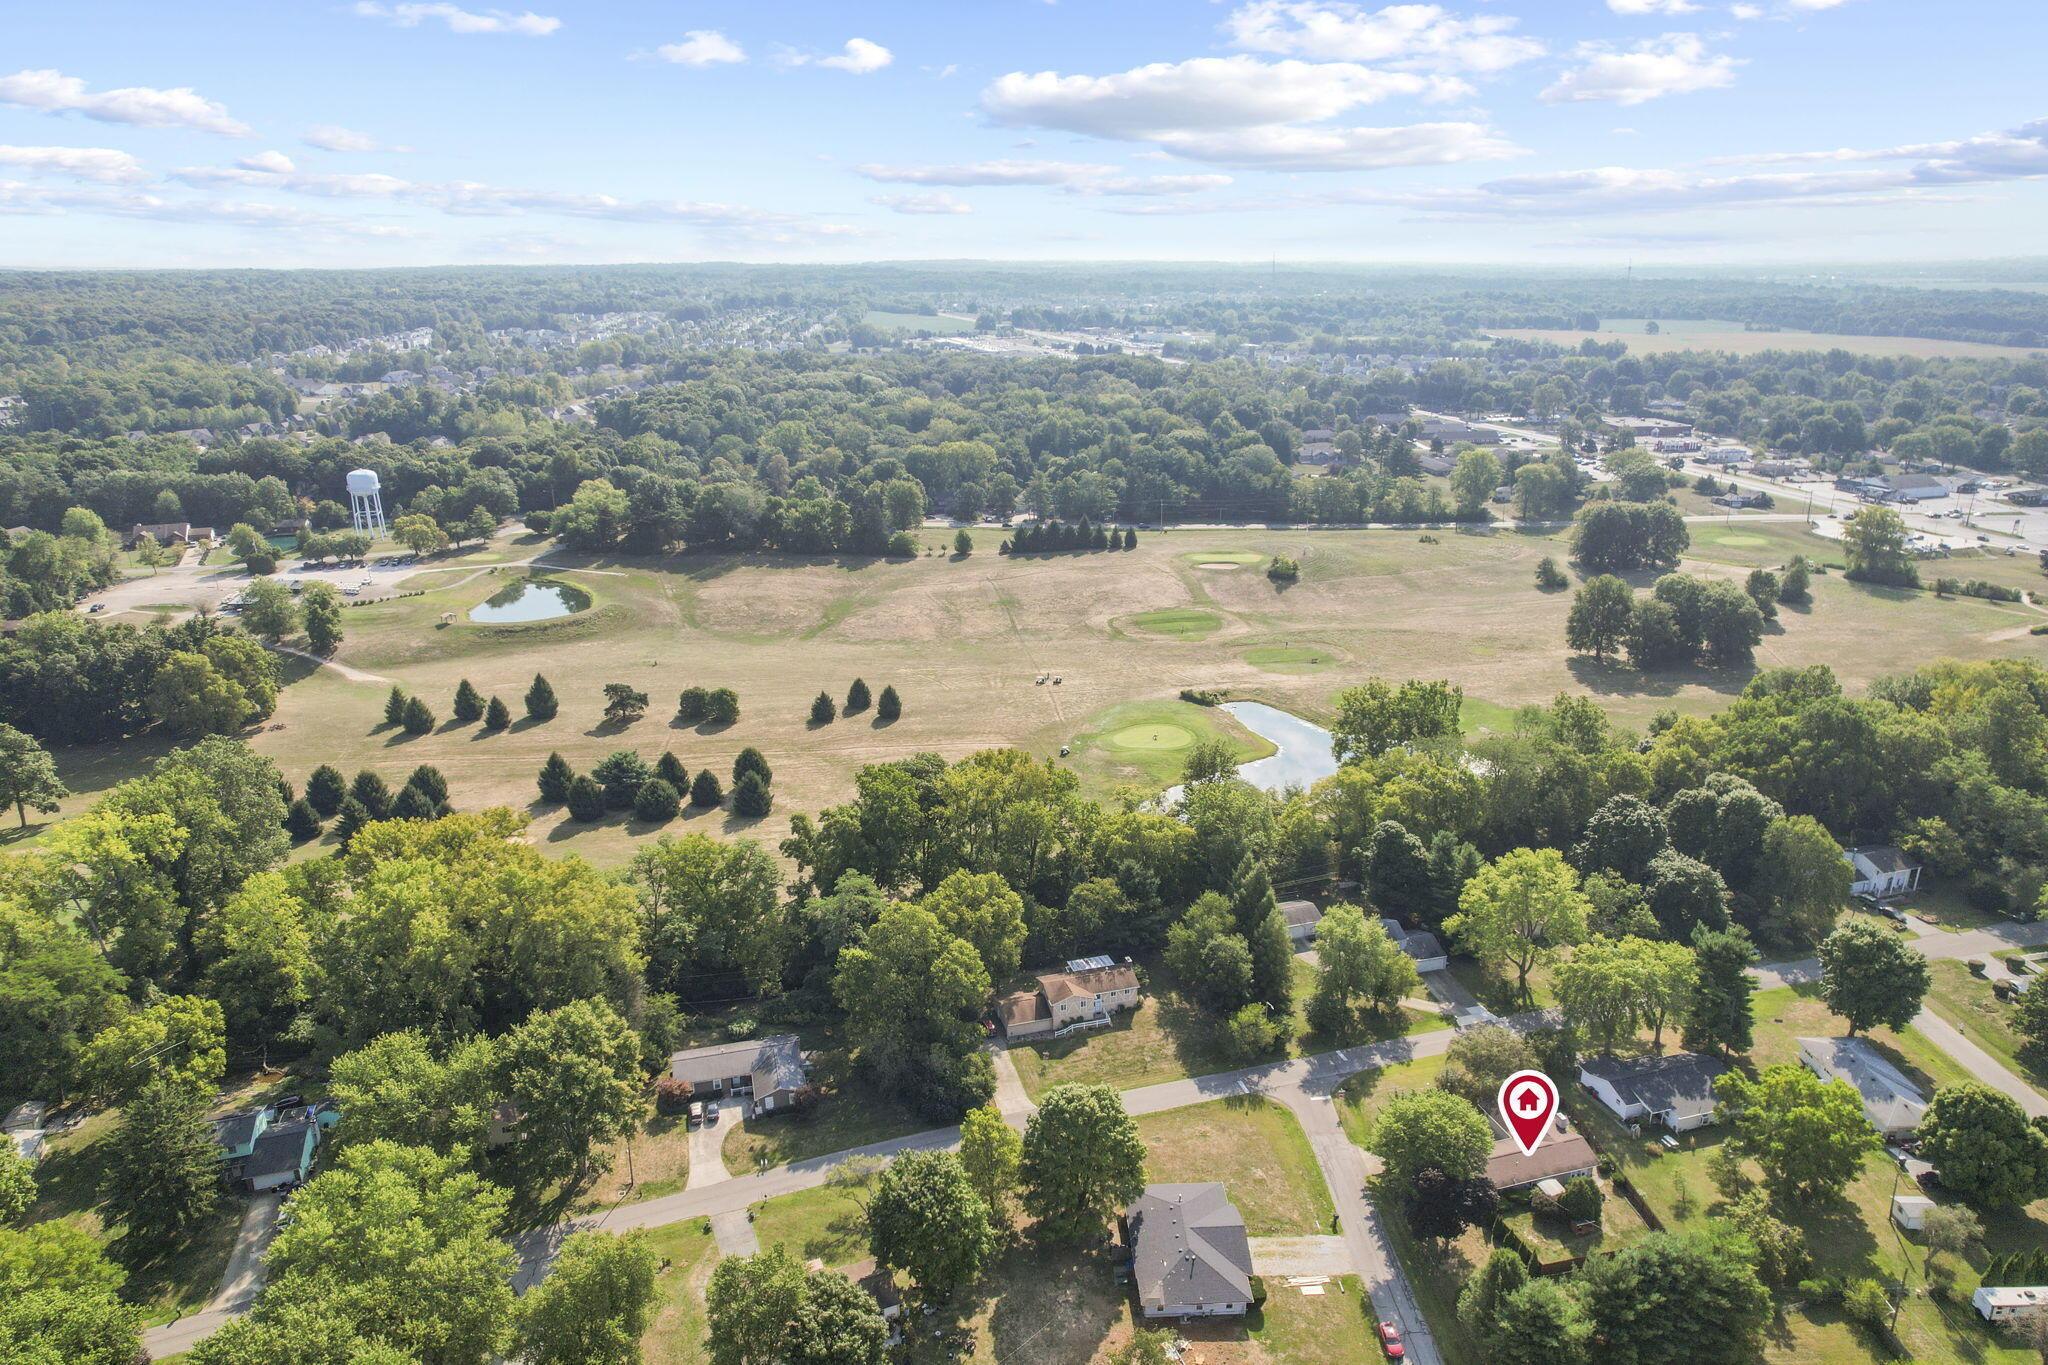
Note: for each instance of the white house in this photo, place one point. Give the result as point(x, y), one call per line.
point(1881, 871)
point(1675, 1090)
point(2010, 1304)
point(1893, 1104)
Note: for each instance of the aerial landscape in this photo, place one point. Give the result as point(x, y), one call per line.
point(1280, 681)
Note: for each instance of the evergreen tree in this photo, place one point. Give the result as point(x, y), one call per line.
point(497, 716)
point(162, 1175)
point(586, 800)
point(1130, 537)
point(432, 785)
point(1264, 929)
point(302, 822)
point(540, 699)
point(469, 703)
point(890, 706)
point(326, 789)
point(555, 777)
point(823, 712)
point(656, 802)
point(412, 804)
point(369, 792)
point(394, 706)
point(670, 769)
point(751, 761)
point(1794, 587)
point(750, 797)
point(1719, 1015)
point(706, 792)
point(352, 817)
point(857, 698)
point(418, 718)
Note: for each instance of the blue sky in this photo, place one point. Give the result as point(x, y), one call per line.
point(383, 132)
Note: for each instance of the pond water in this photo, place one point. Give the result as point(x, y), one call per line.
point(1303, 755)
point(530, 599)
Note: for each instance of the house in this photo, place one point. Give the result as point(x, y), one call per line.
point(1438, 464)
point(1724, 455)
point(1302, 918)
point(1419, 944)
point(1893, 1104)
point(1783, 468)
point(1316, 452)
point(1564, 1155)
point(2010, 1304)
point(271, 1147)
point(1881, 871)
point(1090, 993)
point(1675, 1089)
point(1913, 487)
point(1190, 1256)
point(768, 1071)
point(1909, 1211)
point(1316, 435)
point(1740, 498)
point(168, 533)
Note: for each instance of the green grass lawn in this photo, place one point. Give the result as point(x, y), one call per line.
point(1255, 1148)
point(823, 1223)
point(1789, 1013)
point(1965, 999)
point(1316, 1329)
point(1360, 1097)
point(170, 1284)
point(1178, 623)
point(846, 1115)
point(1294, 658)
point(1167, 1038)
point(676, 1335)
point(1146, 743)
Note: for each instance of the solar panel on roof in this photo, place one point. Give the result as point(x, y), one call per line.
point(1089, 964)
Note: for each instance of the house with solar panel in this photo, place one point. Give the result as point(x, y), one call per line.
point(1090, 993)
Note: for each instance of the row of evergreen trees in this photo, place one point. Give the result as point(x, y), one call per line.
point(655, 794)
point(415, 717)
point(1038, 538)
point(351, 805)
point(858, 699)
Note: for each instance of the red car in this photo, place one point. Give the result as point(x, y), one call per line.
point(1390, 1341)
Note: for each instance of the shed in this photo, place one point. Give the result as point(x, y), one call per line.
point(1909, 1211)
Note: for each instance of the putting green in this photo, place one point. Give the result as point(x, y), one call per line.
point(1291, 658)
point(1734, 539)
point(1182, 623)
point(1151, 737)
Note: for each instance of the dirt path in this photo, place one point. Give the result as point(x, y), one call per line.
point(352, 674)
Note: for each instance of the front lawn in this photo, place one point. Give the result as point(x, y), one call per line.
point(847, 1114)
point(1786, 1014)
point(655, 1163)
point(1255, 1148)
point(688, 1254)
point(1167, 1038)
point(1316, 1329)
point(821, 1223)
point(1360, 1097)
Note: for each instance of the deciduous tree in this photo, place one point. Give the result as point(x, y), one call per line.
point(1419, 1128)
point(1984, 1146)
point(927, 1220)
point(28, 776)
point(595, 1304)
point(1870, 976)
point(1519, 910)
point(1082, 1162)
point(1808, 1135)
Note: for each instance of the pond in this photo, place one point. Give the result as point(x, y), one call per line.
point(1302, 756)
point(530, 599)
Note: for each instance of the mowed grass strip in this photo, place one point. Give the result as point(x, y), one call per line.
point(1178, 623)
point(1294, 658)
point(821, 1223)
point(1255, 1148)
point(688, 1253)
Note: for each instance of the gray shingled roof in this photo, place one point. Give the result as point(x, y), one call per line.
point(1188, 1246)
point(1678, 1083)
point(775, 1063)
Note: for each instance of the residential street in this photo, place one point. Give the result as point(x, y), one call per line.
point(1303, 1084)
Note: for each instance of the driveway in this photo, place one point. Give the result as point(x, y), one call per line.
point(1013, 1101)
point(1276, 1256)
point(707, 1147)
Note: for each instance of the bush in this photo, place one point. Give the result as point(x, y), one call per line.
point(586, 800)
point(963, 544)
point(656, 802)
point(1283, 569)
point(823, 712)
point(1581, 1200)
point(672, 1096)
point(1866, 1304)
point(1549, 577)
point(1201, 696)
point(902, 546)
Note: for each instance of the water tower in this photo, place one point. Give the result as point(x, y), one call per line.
point(365, 503)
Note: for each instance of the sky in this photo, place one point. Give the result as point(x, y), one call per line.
point(1566, 132)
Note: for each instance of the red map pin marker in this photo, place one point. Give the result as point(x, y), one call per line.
point(1527, 1103)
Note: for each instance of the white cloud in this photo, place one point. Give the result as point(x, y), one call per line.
point(989, 173)
point(1746, 11)
point(1652, 6)
point(273, 162)
point(1153, 186)
point(1675, 64)
point(1423, 37)
point(56, 93)
point(859, 57)
point(459, 20)
point(1848, 178)
point(103, 164)
point(702, 47)
point(931, 202)
point(332, 137)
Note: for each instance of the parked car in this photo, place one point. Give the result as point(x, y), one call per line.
point(1390, 1341)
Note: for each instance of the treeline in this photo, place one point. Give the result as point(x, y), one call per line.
point(1034, 538)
